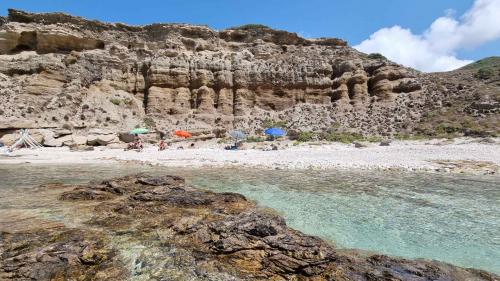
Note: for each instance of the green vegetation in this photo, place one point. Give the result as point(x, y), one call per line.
point(127, 101)
point(485, 73)
point(149, 122)
point(377, 56)
point(373, 139)
point(222, 140)
point(268, 123)
point(115, 101)
point(410, 137)
point(254, 139)
point(250, 27)
point(486, 68)
point(306, 136)
point(344, 137)
point(491, 62)
point(118, 101)
point(452, 123)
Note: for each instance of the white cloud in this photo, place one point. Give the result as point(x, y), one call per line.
point(435, 49)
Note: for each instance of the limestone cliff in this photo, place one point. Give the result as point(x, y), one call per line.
point(58, 70)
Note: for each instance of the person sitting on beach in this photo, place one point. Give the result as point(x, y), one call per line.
point(140, 145)
point(162, 145)
point(136, 144)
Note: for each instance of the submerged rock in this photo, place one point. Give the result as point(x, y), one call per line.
point(192, 234)
point(58, 254)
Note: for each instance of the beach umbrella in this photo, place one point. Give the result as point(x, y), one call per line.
point(183, 134)
point(238, 135)
point(138, 131)
point(274, 132)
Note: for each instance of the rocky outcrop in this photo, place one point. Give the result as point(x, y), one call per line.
point(58, 253)
point(190, 234)
point(57, 69)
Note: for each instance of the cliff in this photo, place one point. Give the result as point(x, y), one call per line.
point(59, 71)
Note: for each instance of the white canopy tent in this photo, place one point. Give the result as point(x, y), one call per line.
point(25, 140)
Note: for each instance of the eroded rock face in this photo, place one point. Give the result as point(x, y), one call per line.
point(88, 74)
point(192, 234)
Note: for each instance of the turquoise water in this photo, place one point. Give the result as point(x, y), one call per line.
point(452, 218)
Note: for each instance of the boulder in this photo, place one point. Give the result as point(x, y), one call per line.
point(97, 131)
point(70, 140)
point(101, 139)
point(52, 142)
point(126, 137)
point(385, 143)
point(360, 145)
point(61, 132)
point(9, 139)
point(41, 134)
point(48, 138)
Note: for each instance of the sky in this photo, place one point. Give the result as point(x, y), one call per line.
point(429, 35)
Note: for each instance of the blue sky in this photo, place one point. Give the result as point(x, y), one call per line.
point(352, 20)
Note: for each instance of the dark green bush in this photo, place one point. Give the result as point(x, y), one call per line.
point(377, 56)
point(344, 137)
point(485, 73)
point(254, 139)
point(250, 26)
point(306, 136)
point(268, 123)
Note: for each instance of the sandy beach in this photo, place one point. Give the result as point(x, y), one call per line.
point(461, 155)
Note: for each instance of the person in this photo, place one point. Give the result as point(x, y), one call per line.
point(162, 145)
point(136, 144)
point(140, 145)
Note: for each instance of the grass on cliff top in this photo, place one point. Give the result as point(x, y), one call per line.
point(491, 62)
point(251, 26)
point(485, 69)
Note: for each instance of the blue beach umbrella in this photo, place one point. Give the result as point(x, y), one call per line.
point(274, 132)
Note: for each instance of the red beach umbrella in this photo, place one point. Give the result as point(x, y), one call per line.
point(183, 134)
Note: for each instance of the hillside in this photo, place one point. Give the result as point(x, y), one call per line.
point(60, 71)
point(473, 101)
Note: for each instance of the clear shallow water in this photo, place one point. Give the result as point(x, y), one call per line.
point(452, 218)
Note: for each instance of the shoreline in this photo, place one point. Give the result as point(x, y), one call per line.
point(461, 156)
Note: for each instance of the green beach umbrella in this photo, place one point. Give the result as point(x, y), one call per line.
point(138, 131)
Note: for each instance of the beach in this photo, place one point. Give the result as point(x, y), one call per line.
point(460, 155)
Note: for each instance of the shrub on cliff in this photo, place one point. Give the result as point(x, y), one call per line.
point(306, 136)
point(268, 123)
point(254, 139)
point(377, 56)
point(485, 73)
point(250, 27)
point(344, 137)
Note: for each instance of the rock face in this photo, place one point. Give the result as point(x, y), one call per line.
point(190, 234)
point(57, 69)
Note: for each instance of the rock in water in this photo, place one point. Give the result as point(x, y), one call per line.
point(186, 233)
